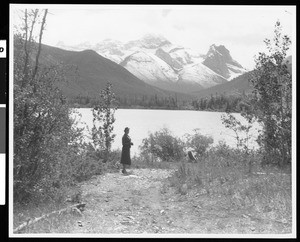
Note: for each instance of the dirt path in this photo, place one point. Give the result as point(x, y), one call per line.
point(144, 203)
point(125, 204)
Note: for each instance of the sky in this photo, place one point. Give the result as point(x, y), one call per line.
point(241, 29)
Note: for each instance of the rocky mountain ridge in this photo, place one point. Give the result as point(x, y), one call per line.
point(90, 72)
point(160, 63)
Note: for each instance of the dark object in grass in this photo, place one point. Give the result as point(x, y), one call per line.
point(191, 157)
point(125, 173)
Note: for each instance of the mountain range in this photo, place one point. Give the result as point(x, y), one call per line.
point(167, 66)
point(146, 69)
point(88, 72)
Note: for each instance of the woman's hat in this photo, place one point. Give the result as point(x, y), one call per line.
point(126, 129)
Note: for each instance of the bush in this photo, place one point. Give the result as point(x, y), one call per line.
point(49, 152)
point(162, 146)
point(198, 142)
point(46, 140)
point(43, 132)
point(113, 162)
point(86, 164)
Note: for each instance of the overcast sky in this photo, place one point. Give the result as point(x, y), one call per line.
point(241, 29)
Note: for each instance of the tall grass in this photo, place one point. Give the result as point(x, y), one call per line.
point(231, 174)
point(239, 179)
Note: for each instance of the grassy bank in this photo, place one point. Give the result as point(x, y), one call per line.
point(259, 193)
point(232, 178)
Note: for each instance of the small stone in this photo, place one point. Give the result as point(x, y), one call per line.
point(183, 189)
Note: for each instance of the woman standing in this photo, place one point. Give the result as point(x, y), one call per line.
point(125, 157)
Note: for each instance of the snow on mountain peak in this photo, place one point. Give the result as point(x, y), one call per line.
point(149, 67)
point(157, 61)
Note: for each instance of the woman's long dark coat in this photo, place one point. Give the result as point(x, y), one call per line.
point(125, 157)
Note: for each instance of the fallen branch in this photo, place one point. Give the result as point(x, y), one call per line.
point(255, 218)
point(78, 207)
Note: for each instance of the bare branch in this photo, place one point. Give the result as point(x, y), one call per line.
point(40, 44)
point(29, 222)
point(28, 40)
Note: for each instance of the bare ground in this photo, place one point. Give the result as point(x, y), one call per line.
point(145, 202)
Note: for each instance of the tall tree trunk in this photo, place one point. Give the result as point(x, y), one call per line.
point(40, 44)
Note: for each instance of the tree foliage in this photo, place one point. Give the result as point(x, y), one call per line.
point(162, 145)
point(198, 143)
point(272, 98)
point(220, 102)
point(103, 120)
point(241, 130)
point(44, 135)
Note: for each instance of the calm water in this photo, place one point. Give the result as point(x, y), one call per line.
point(144, 121)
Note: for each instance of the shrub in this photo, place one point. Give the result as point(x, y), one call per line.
point(242, 130)
point(43, 128)
point(48, 152)
point(198, 142)
point(87, 164)
point(162, 145)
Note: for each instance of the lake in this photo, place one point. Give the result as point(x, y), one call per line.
point(144, 121)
